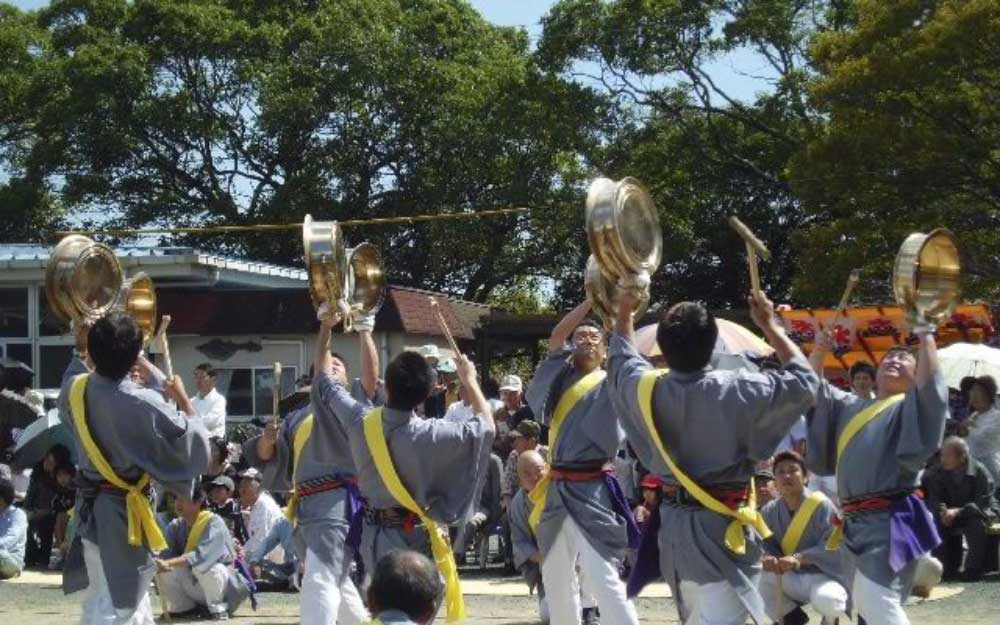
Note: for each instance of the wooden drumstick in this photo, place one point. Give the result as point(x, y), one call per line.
point(168, 365)
point(755, 247)
point(444, 326)
point(158, 582)
point(852, 281)
point(276, 390)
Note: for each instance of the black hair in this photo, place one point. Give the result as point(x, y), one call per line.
point(988, 384)
point(407, 381)
point(898, 349)
point(790, 456)
point(342, 360)
point(66, 468)
point(686, 336)
point(61, 454)
point(219, 448)
point(7, 491)
point(114, 343)
point(862, 367)
point(16, 379)
point(406, 581)
point(207, 369)
point(589, 322)
point(966, 384)
point(491, 388)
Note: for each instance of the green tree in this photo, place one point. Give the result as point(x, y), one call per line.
point(910, 97)
point(184, 112)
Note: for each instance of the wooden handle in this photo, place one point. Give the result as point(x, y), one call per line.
point(749, 237)
point(168, 365)
point(444, 326)
point(754, 274)
point(852, 281)
point(276, 390)
point(163, 598)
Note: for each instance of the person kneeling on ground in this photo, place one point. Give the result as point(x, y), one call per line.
point(405, 589)
point(13, 533)
point(198, 570)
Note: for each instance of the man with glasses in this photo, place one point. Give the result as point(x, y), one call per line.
point(209, 403)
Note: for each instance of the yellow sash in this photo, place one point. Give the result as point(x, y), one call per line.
point(443, 556)
point(302, 434)
point(745, 516)
point(194, 534)
point(855, 425)
point(566, 403)
point(793, 535)
point(141, 521)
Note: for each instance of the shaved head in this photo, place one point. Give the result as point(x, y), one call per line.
point(531, 467)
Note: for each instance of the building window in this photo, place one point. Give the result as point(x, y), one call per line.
point(248, 391)
point(48, 323)
point(14, 312)
point(18, 351)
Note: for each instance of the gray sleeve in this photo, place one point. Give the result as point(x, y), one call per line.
point(823, 426)
point(522, 541)
point(625, 367)
point(331, 394)
point(450, 493)
point(820, 528)
point(539, 390)
point(922, 419)
point(214, 546)
point(276, 472)
point(775, 401)
point(175, 539)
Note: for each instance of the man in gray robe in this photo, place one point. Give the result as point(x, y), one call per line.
point(809, 573)
point(203, 577)
point(527, 558)
point(585, 518)
point(887, 528)
point(716, 425)
point(139, 433)
point(327, 505)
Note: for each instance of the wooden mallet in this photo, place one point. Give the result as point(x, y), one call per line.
point(276, 390)
point(852, 281)
point(444, 326)
point(168, 365)
point(754, 248)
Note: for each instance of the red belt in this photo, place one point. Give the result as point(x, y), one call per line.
point(574, 475)
point(871, 504)
point(729, 497)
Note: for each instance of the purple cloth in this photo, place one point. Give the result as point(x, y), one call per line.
point(241, 567)
point(912, 532)
point(620, 504)
point(647, 561)
point(355, 513)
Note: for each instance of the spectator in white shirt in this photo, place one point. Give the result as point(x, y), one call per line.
point(209, 403)
point(461, 410)
point(260, 514)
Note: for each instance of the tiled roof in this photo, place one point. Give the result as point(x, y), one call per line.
point(417, 316)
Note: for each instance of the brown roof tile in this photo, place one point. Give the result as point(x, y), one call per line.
point(418, 317)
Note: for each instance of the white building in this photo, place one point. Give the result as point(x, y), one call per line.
point(239, 316)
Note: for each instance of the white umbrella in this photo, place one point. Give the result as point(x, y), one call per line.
point(962, 360)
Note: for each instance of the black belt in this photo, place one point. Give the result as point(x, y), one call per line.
point(391, 517)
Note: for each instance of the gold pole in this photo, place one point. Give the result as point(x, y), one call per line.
point(377, 221)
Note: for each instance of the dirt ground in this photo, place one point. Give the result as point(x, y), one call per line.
point(35, 599)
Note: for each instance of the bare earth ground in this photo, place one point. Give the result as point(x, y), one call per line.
point(35, 599)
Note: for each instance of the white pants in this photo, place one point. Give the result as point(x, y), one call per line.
point(97, 606)
point(715, 603)
point(878, 604)
point(824, 594)
point(562, 586)
point(329, 596)
point(185, 589)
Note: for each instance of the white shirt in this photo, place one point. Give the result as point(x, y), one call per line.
point(212, 409)
point(264, 515)
point(459, 412)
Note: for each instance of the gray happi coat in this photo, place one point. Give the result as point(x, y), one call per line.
point(215, 547)
point(590, 434)
point(523, 541)
point(322, 520)
point(138, 431)
point(812, 545)
point(716, 425)
point(886, 455)
point(439, 462)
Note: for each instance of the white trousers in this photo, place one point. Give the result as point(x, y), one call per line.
point(329, 596)
point(823, 593)
point(97, 606)
point(878, 604)
point(715, 603)
point(562, 586)
point(185, 589)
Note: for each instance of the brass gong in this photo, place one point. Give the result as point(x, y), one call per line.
point(138, 299)
point(83, 279)
point(601, 293)
point(326, 261)
point(926, 275)
point(623, 227)
point(365, 279)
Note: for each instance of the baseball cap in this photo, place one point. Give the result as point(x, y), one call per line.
point(527, 428)
point(446, 366)
point(250, 473)
point(223, 480)
point(511, 383)
point(763, 474)
point(429, 351)
point(651, 481)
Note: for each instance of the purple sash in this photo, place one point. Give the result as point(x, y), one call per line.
point(647, 562)
point(912, 532)
point(355, 513)
point(620, 506)
point(241, 568)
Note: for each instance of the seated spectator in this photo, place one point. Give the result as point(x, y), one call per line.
point(525, 437)
point(512, 411)
point(13, 533)
point(763, 481)
point(261, 514)
point(652, 495)
point(42, 490)
point(284, 573)
point(862, 376)
point(960, 496)
point(197, 566)
point(984, 425)
point(485, 515)
point(800, 565)
point(62, 505)
point(219, 464)
point(531, 468)
point(221, 502)
point(405, 590)
point(460, 411)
